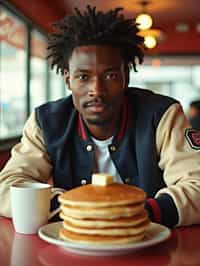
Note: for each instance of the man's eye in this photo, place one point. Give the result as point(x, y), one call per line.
point(111, 76)
point(83, 77)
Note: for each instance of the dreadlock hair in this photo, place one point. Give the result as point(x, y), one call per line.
point(94, 28)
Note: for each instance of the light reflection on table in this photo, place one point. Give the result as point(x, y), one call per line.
point(29, 250)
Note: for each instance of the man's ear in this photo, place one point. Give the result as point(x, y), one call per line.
point(66, 73)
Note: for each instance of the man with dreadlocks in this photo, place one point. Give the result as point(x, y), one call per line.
point(141, 138)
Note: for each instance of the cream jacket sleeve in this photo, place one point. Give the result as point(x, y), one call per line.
point(29, 162)
point(181, 165)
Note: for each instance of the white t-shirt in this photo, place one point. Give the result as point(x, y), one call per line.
point(104, 163)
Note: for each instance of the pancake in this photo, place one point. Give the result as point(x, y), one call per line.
point(100, 223)
point(103, 213)
point(97, 239)
point(103, 196)
point(112, 231)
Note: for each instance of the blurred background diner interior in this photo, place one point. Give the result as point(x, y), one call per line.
point(171, 65)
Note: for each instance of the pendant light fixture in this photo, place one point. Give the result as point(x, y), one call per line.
point(144, 20)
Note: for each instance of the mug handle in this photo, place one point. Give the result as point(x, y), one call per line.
point(56, 191)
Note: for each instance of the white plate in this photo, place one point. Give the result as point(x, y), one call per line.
point(155, 234)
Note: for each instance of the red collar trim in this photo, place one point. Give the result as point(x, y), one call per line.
point(81, 130)
point(125, 120)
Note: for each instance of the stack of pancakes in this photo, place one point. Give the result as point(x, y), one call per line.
point(109, 214)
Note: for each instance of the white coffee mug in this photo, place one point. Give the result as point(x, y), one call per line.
point(30, 205)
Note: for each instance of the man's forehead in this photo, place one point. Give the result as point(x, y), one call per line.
point(93, 54)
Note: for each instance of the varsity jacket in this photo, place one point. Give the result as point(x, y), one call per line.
point(143, 153)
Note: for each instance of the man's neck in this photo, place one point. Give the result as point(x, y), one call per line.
point(102, 132)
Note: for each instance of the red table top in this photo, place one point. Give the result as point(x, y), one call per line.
point(182, 248)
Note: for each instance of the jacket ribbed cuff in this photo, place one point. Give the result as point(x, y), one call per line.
point(162, 210)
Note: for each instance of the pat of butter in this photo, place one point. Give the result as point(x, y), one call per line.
point(102, 179)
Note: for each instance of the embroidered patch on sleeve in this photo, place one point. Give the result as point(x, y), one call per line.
point(193, 137)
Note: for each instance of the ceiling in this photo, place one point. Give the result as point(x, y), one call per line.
point(167, 14)
point(163, 11)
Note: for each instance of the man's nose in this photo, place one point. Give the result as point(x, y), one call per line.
point(96, 87)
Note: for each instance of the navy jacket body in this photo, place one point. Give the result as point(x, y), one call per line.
point(133, 149)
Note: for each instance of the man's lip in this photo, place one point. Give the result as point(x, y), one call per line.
point(94, 104)
point(95, 107)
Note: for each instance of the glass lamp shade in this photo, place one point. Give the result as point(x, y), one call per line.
point(145, 21)
point(150, 42)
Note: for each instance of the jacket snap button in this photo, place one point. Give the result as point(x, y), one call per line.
point(89, 148)
point(83, 181)
point(113, 148)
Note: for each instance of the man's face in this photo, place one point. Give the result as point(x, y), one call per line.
point(97, 80)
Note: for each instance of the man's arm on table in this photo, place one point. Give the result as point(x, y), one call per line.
point(29, 162)
point(181, 165)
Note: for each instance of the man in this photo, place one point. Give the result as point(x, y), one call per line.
point(194, 114)
point(141, 138)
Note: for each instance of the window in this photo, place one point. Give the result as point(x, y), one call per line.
point(25, 80)
point(12, 75)
point(177, 76)
point(38, 81)
point(57, 86)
